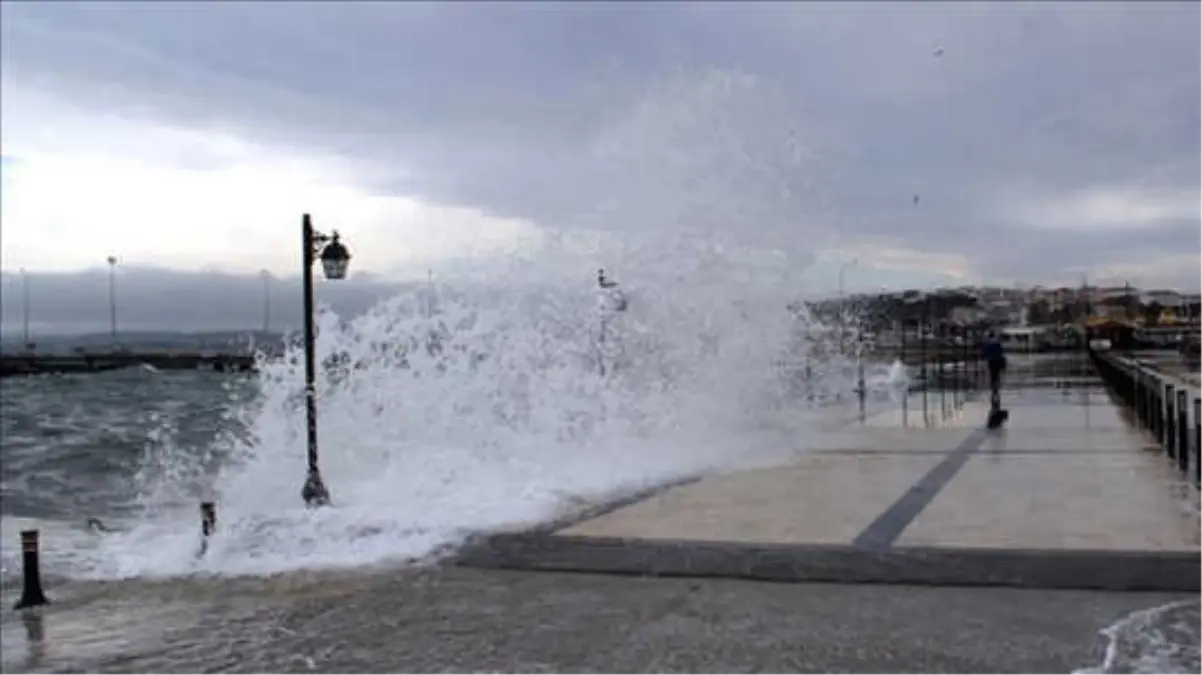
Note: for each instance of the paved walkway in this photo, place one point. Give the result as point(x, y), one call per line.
point(1069, 495)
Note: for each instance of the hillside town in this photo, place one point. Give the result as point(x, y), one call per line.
point(1034, 318)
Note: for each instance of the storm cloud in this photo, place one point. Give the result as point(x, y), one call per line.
point(1023, 141)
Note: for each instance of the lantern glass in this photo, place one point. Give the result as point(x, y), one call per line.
point(335, 268)
point(335, 259)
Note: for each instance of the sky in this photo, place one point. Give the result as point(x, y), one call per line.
point(904, 144)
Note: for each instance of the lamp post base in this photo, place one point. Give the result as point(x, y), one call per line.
point(314, 492)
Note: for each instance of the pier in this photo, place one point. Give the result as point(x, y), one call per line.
point(1075, 493)
point(96, 362)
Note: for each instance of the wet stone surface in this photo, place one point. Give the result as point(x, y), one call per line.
point(454, 619)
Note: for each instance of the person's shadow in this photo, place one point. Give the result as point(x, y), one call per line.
point(995, 445)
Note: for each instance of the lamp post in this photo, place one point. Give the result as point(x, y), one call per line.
point(335, 259)
point(112, 260)
point(842, 303)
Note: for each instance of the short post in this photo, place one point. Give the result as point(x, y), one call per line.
point(1144, 403)
point(1198, 441)
point(1137, 379)
point(1155, 406)
point(32, 594)
point(1169, 421)
point(962, 368)
point(905, 402)
point(860, 390)
point(942, 366)
point(1183, 431)
point(955, 375)
point(922, 355)
point(208, 525)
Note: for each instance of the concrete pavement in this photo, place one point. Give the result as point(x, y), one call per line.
point(1069, 495)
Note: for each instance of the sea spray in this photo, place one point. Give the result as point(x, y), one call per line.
point(499, 396)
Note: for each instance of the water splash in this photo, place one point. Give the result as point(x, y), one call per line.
point(1161, 639)
point(504, 395)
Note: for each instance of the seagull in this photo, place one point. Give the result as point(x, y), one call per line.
point(938, 52)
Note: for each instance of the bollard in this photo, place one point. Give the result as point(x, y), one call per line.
point(905, 402)
point(32, 594)
point(861, 389)
point(1198, 441)
point(1183, 431)
point(1144, 406)
point(1170, 426)
point(922, 357)
point(1157, 410)
point(956, 380)
point(1137, 387)
point(963, 367)
point(208, 525)
point(942, 384)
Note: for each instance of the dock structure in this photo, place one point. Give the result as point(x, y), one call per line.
point(1072, 494)
point(96, 362)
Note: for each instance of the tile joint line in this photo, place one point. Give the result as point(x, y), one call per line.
point(888, 526)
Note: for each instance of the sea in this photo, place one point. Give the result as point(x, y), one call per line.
point(444, 413)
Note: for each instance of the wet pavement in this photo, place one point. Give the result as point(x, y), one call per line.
point(464, 620)
point(1067, 495)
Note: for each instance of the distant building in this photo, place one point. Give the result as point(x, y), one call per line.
point(968, 315)
point(1164, 298)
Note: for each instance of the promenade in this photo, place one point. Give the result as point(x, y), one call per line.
point(1070, 501)
point(1070, 495)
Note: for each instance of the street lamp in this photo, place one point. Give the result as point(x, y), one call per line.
point(335, 259)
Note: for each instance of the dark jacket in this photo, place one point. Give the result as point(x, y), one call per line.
point(993, 352)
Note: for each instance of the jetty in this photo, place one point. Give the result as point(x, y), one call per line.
point(1089, 486)
point(95, 362)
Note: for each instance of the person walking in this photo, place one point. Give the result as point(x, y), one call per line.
point(994, 355)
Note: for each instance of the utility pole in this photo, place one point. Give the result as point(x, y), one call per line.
point(112, 260)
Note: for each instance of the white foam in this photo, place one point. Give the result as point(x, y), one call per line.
point(1162, 639)
point(706, 224)
point(521, 409)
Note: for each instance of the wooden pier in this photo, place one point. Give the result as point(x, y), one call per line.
point(79, 363)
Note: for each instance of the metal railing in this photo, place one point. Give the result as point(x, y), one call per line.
point(1161, 405)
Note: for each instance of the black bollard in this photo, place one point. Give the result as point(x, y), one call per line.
point(1170, 424)
point(208, 525)
point(905, 402)
point(1183, 431)
point(962, 368)
point(861, 390)
point(32, 594)
point(1197, 441)
point(942, 366)
point(1141, 397)
point(922, 356)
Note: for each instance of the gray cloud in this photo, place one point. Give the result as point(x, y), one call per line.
point(803, 122)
